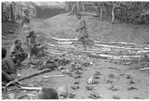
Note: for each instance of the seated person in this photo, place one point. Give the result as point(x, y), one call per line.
point(17, 53)
point(32, 44)
point(8, 68)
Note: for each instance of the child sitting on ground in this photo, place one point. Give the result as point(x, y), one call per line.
point(34, 47)
point(17, 53)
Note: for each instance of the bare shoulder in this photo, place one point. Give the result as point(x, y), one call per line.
point(12, 48)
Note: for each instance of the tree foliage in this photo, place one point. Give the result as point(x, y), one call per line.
point(131, 12)
point(12, 11)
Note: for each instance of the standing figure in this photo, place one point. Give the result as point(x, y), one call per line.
point(82, 30)
point(17, 53)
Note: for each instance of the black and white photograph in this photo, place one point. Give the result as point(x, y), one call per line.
point(75, 50)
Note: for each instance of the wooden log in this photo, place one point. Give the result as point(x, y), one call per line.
point(61, 39)
point(146, 68)
point(97, 44)
point(66, 43)
point(54, 53)
point(58, 39)
point(144, 51)
point(97, 50)
point(28, 76)
point(62, 46)
point(30, 88)
point(93, 54)
point(147, 48)
point(54, 76)
point(111, 46)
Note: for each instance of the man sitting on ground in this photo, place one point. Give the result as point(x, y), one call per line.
point(8, 68)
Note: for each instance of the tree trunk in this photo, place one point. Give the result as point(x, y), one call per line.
point(82, 6)
point(12, 13)
point(74, 9)
point(113, 14)
point(2, 11)
point(78, 6)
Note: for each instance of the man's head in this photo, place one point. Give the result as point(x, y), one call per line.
point(32, 33)
point(47, 93)
point(79, 15)
point(18, 43)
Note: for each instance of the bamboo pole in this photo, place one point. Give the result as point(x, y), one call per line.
point(28, 76)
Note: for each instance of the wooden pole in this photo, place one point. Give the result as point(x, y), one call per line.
point(28, 76)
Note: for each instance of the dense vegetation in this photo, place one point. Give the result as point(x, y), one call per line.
point(130, 12)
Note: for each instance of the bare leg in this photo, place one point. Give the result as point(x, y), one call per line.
point(84, 46)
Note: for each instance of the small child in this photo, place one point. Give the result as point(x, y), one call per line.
point(33, 45)
point(17, 53)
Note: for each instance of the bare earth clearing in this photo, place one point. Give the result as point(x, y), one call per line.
point(58, 26)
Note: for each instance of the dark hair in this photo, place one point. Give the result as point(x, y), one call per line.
point(79, 14)
point(49, 93)
point(17, 41)
point(4, 51)
point(31, 33)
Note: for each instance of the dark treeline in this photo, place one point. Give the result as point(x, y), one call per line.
point(130, 12)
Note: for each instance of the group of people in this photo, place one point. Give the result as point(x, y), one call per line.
point(17, 53)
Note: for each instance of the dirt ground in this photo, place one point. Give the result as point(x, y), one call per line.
point(115, 81)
